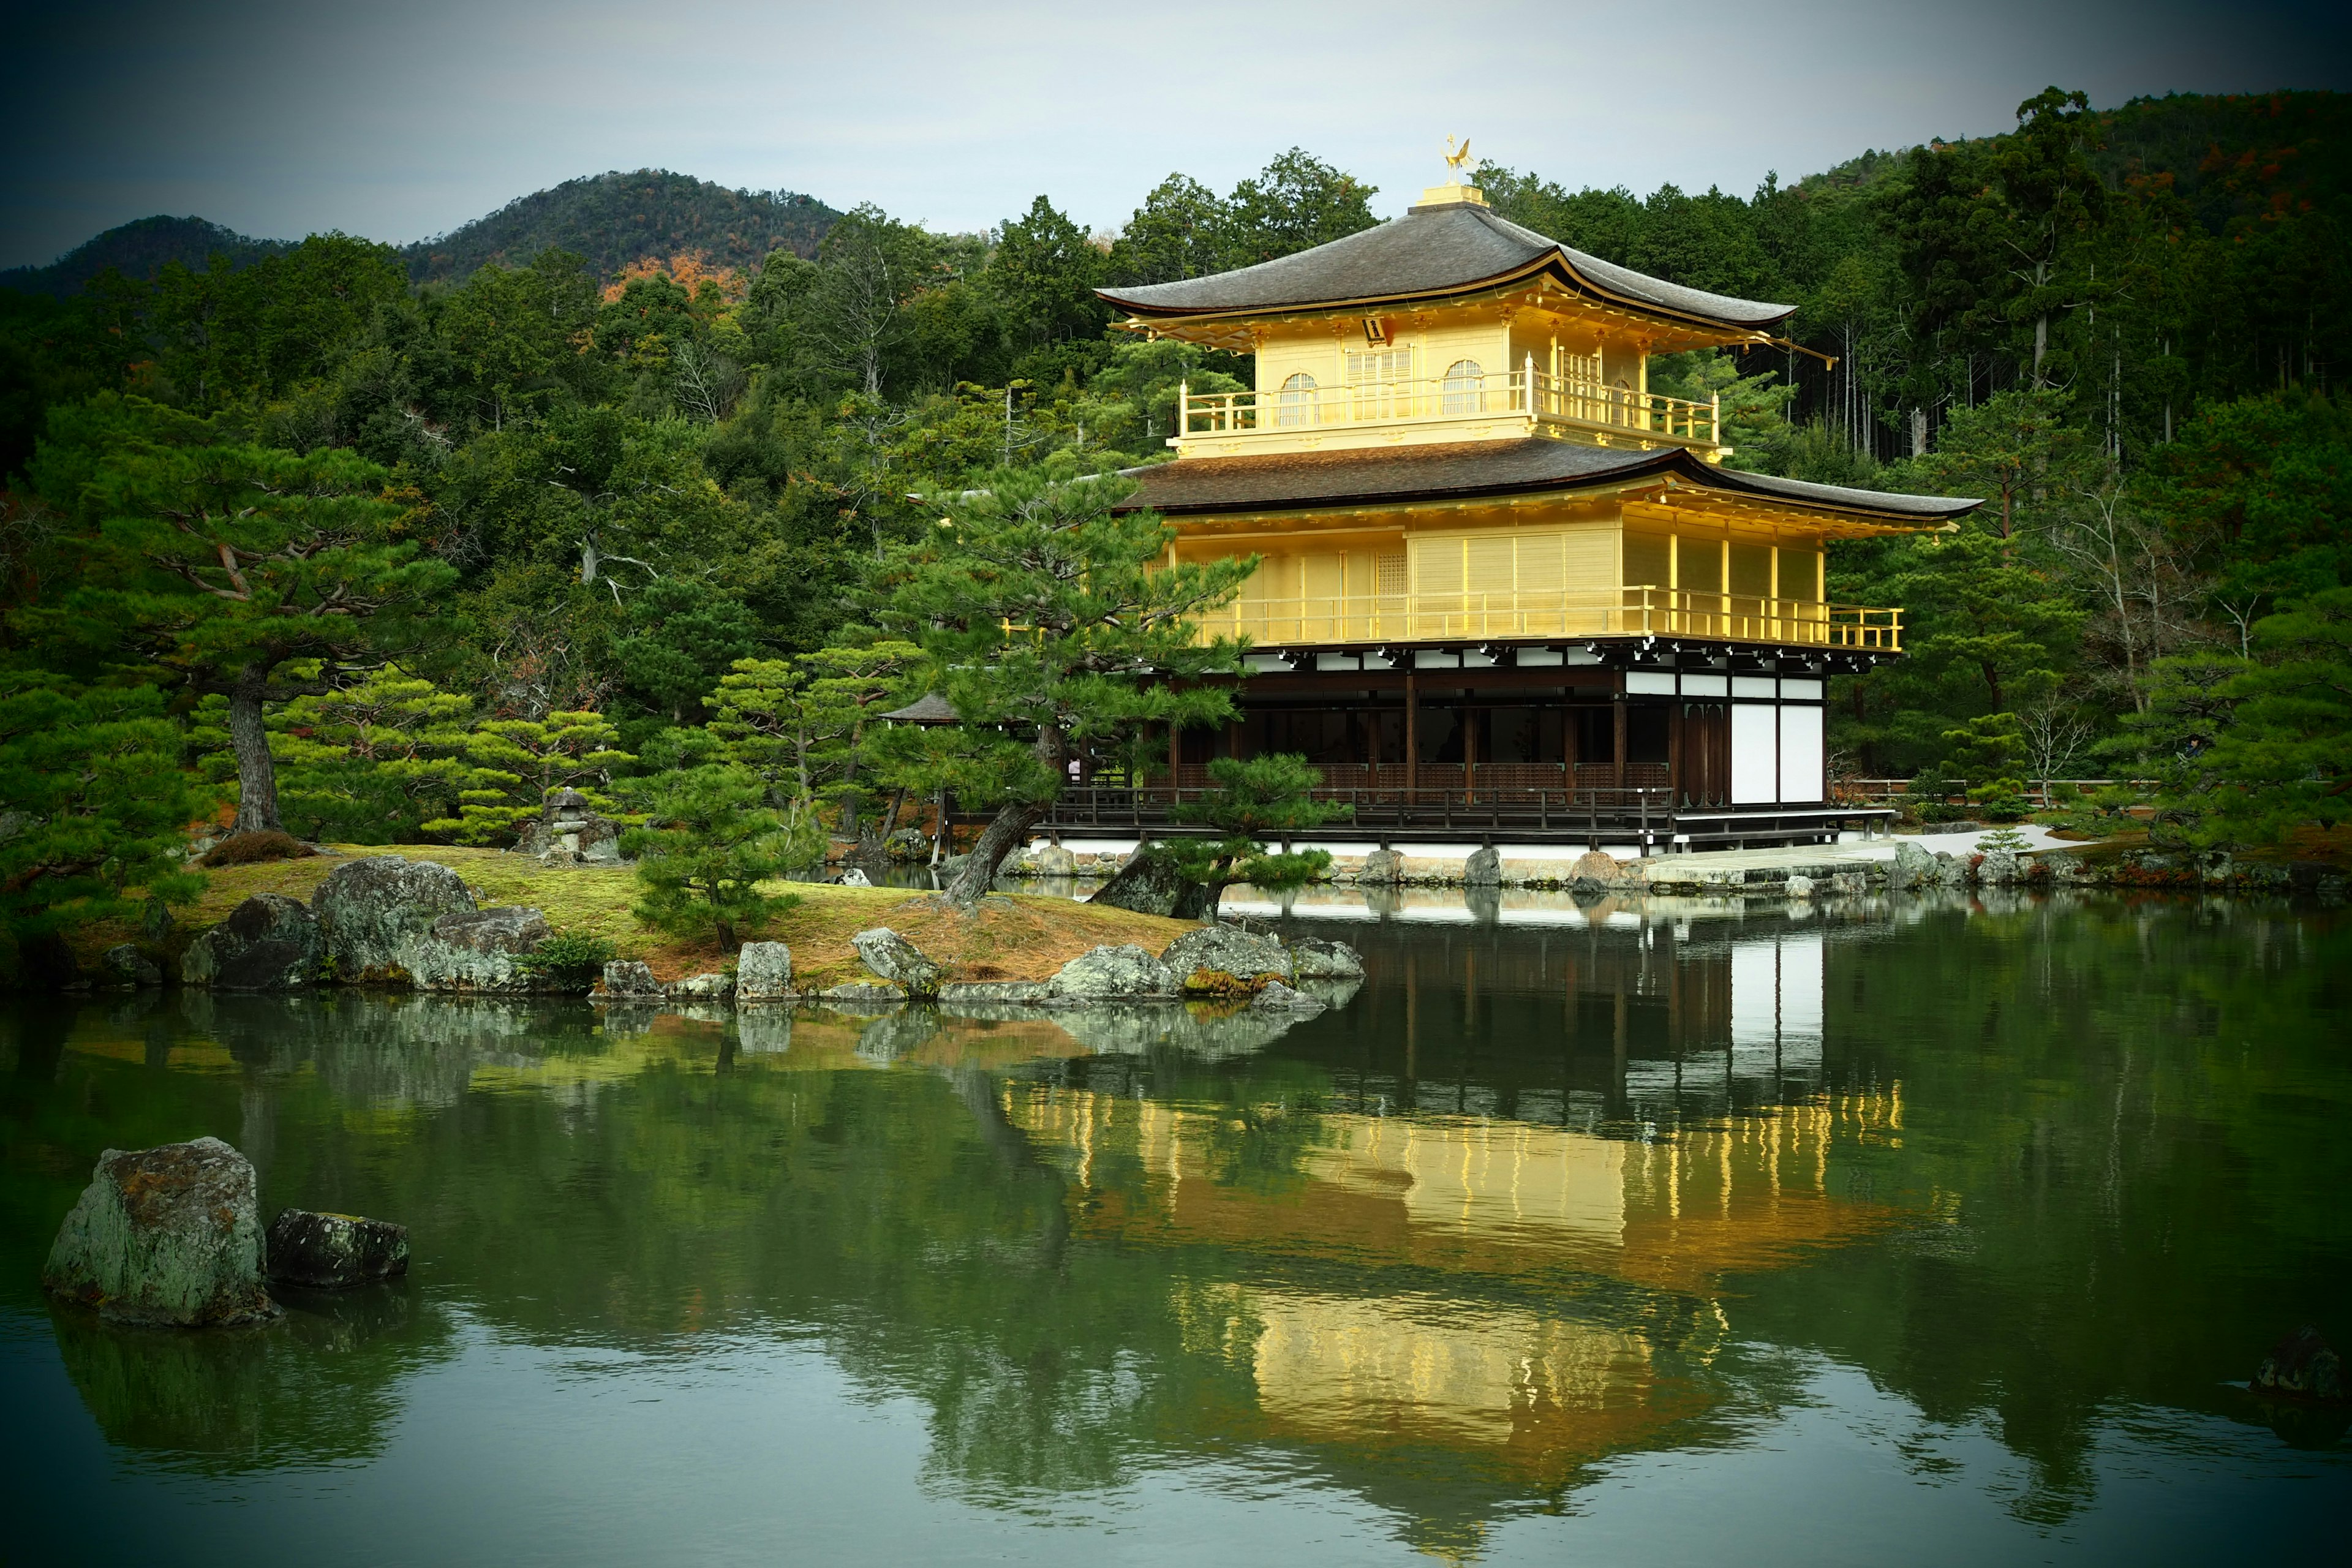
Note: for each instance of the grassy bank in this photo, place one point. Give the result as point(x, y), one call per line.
point(1011, 937)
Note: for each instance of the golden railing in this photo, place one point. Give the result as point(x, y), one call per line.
point(1587, 406)
point(1337, 619)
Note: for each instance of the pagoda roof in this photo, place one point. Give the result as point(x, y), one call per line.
point(1457, 470)
point(1431, 253)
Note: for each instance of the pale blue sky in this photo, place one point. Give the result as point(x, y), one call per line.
point(399, 121)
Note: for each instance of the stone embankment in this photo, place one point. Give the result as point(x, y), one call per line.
point(1827, 870)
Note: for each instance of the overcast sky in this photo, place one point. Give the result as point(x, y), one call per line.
point(401, 120)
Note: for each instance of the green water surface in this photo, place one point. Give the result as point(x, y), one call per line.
point(1919, 1234)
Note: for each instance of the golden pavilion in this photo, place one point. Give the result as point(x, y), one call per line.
point(1507, 587)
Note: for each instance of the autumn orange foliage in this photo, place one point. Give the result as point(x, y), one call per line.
point(689, 269)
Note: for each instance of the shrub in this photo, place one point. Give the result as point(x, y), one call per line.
point(568, 961)
point(253, 848)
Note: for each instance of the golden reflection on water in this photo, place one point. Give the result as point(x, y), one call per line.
point(1487, 1254)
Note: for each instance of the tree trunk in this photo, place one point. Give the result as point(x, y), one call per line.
point(1004, 834)
point(256, 777)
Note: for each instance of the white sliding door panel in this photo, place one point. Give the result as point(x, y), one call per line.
point(1755, 755)
point(1803, 767)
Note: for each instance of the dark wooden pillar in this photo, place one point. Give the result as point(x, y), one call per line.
point(1412, 728)
point(1617, 711)
point(1175, 754)
point(1675, 749)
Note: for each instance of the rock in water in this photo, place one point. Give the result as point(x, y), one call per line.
point(855, 878)
point(1484, 869)
point(1315, 960)
point(711, 986)
point(1800, 886)
point(125, 965)
point(476, 950)
point(1595, 870)
point(1382, 869)
point(2302, 1364)
point(372, 913)
point(763, 972)
point(269, 943)
point(166, 1235)
point(1220, 959)
point(1108, 974)
point(897, 959)
point(1277, 996)
point(330, 1251)
point(1913, 867)
point(1149, 885)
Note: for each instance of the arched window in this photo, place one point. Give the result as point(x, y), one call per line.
point(1620, 402)
point(1464, 389)
point(1298, 404)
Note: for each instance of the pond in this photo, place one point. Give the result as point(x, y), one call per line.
point(1930, 1233)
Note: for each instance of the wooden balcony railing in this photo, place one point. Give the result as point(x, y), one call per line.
point(1605, 411)
point(1337, 619)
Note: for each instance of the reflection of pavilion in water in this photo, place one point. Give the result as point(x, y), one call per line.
point(1526, 1299)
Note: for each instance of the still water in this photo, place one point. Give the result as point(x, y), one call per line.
point(1929, 1234)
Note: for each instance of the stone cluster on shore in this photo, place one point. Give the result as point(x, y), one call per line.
point(1216, 961)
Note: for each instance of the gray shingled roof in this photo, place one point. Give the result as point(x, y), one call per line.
point(1430, 251)
point(1284, 482)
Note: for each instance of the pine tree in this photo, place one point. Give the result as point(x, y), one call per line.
point(1254, 800)
point(1057, 628)
point(710, 840)
point(225, 562)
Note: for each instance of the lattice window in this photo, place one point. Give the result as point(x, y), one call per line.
point(1388, 574)
point(1465, 387)
point(1296, 404)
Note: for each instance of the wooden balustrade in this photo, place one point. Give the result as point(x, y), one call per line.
point(1591, 406)
point(1329, 620)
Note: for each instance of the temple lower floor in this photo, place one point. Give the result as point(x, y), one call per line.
point(1634, 742)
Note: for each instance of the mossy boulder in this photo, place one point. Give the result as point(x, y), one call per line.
point(269, 943)
point(334, 1251)
point(1223, 960)
point(166, 1236)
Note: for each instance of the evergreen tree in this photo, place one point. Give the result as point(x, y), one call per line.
point(1058, 630)
point(94, 806)
point(708, 841)
point(1252, 801)
point(223, 563)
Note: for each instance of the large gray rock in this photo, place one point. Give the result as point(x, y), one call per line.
point(707, 987)
point(1800, 886)
point(1849, 884)
point(1382, 869)
point(763, 972)
point(334, 1251)
point(477, 951)
point(1052, 860)
point(125, 967)
point(165, 1235)
point(1312, 959)
point(269, 943)
point(628, 978)
point(897, 961)
point(1999, 868)
point(1484, 869)
point(1149, 885)
point(1110, 975)
point(375, 916)
point(1914, 868)
point(1222, 959)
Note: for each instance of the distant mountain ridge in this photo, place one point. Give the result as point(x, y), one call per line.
point(139, 249)
point(613, 219)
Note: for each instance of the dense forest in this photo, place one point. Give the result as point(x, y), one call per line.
point(566, 497)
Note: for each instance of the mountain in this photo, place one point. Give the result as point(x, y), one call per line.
point(615, 219)
point(140, 249)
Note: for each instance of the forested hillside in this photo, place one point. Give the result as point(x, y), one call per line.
point(517, 527)
point(615, 221)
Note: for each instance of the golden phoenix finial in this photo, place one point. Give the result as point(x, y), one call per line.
point(1458, 162)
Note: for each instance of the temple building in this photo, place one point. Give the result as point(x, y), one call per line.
point(1505, 587)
